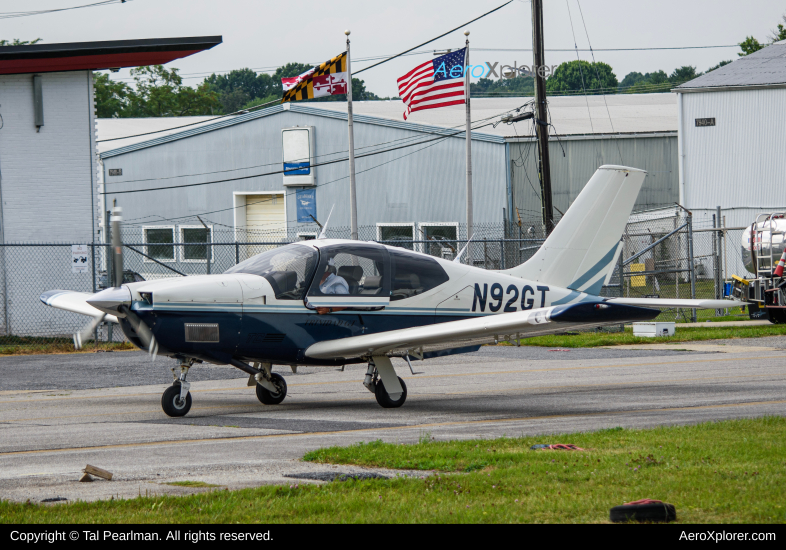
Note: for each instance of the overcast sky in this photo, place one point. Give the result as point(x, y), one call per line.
point(268, 33)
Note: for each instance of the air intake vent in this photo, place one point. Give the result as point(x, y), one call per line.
point(273, 338)
point(201, 332)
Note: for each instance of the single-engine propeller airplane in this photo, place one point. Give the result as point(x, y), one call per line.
point(332, 302)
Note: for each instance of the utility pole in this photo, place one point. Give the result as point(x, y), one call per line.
point(541, 120)
point(470, 220)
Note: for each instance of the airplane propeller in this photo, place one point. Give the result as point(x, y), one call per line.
point(140, 327)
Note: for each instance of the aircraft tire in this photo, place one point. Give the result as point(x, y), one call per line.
point(654, 512)
point(267, 397)
point(384, 399)
point(172, 404)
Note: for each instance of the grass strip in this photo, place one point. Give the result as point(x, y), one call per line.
point(33, 345)
point(724, 472)
point(189, 483)
point(682, 334)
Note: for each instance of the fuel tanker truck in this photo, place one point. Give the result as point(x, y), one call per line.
point(764, 256)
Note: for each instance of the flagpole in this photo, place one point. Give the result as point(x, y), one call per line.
point(469, 144)
point(353, 199)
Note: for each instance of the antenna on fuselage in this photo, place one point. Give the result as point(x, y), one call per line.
point(457, 259)
point(323, 233)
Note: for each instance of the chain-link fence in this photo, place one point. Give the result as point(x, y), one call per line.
point(663, 255)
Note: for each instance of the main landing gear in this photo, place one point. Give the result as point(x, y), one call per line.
point(381, 380)
point(176, 400)
point(271, 387)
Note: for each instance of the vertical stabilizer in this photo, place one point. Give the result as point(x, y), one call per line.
point(582, 251)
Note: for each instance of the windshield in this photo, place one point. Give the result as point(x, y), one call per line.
point(288, 269)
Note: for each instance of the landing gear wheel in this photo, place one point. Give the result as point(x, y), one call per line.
point(269, 398)
point(384, 399)
point(172, 404)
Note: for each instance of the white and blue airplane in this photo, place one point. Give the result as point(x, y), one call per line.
point(332, 302)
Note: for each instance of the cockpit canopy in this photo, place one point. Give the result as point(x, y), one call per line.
point(346, 274)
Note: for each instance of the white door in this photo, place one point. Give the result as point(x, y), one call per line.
point(266, 219)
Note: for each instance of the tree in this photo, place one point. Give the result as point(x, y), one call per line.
point(780, 33)
point(637, 83)
point(718, 66)
point(111, 97)
point(578, 76)
point(17, 42)
point(160, 93)
point(683, 74)
point(239, 87)
point(749, 46)
point(504, 87)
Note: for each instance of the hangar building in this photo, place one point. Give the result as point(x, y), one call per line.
point(410, 175)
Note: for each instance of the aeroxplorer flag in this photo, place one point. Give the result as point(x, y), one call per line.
point(330, 78)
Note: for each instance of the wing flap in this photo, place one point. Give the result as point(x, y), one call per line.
point(520, 324)
point(676, 302)
point(75, 302)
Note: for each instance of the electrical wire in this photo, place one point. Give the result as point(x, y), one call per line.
point(404, 139)
point(283, 171)
point(320, 185)
point(15, 14)
point(597, 75)
point(432, 40)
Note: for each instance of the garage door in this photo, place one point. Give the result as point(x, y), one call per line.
point(266, 218)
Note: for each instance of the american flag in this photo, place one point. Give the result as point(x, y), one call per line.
point(435, 83)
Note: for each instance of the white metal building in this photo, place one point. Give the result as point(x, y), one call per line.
point(732, 138)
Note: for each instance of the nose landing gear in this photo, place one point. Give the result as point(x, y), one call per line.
point(176, 400)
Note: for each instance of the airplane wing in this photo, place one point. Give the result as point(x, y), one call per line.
point(479, 330)
point(676, 302)
point(76, 302)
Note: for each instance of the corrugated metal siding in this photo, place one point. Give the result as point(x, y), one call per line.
point(741, 161)
point(570, 173)
point(420, 183)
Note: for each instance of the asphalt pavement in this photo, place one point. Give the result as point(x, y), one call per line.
point(61, 412)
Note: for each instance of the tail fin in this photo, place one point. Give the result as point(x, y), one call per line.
point(582, 251)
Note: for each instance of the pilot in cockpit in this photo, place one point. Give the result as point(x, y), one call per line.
point(331, 283)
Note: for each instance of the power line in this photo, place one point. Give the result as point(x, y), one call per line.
point(433, 39)
point(282, 171)
point(15, 14)
point(404, 139)
point(436, 141)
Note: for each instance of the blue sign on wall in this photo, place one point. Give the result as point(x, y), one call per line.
point(297, 168)
point(306, 204)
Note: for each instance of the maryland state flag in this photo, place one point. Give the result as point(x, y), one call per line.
point(330, 78)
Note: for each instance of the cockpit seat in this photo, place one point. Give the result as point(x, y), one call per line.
point(372, 286)
point(352, 275)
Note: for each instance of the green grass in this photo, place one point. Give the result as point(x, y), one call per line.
point(34, 345)
point(731, 471)
point(188, 483)
point(682, 334)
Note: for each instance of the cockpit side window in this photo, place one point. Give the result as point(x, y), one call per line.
point(354, 270)
point(414, 274)
point(288, 269)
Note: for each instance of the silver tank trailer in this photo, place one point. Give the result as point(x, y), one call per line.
point(772, 233)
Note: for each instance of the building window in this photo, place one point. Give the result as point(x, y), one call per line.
point(441, 239)
point(396, 234)
point(160, 243)
point(195, 241)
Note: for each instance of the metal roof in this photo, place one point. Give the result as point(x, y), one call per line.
point(767, 67)
point(580, 115)
point(77, 56)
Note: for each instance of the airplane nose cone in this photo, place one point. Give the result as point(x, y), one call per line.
point(110, 300)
